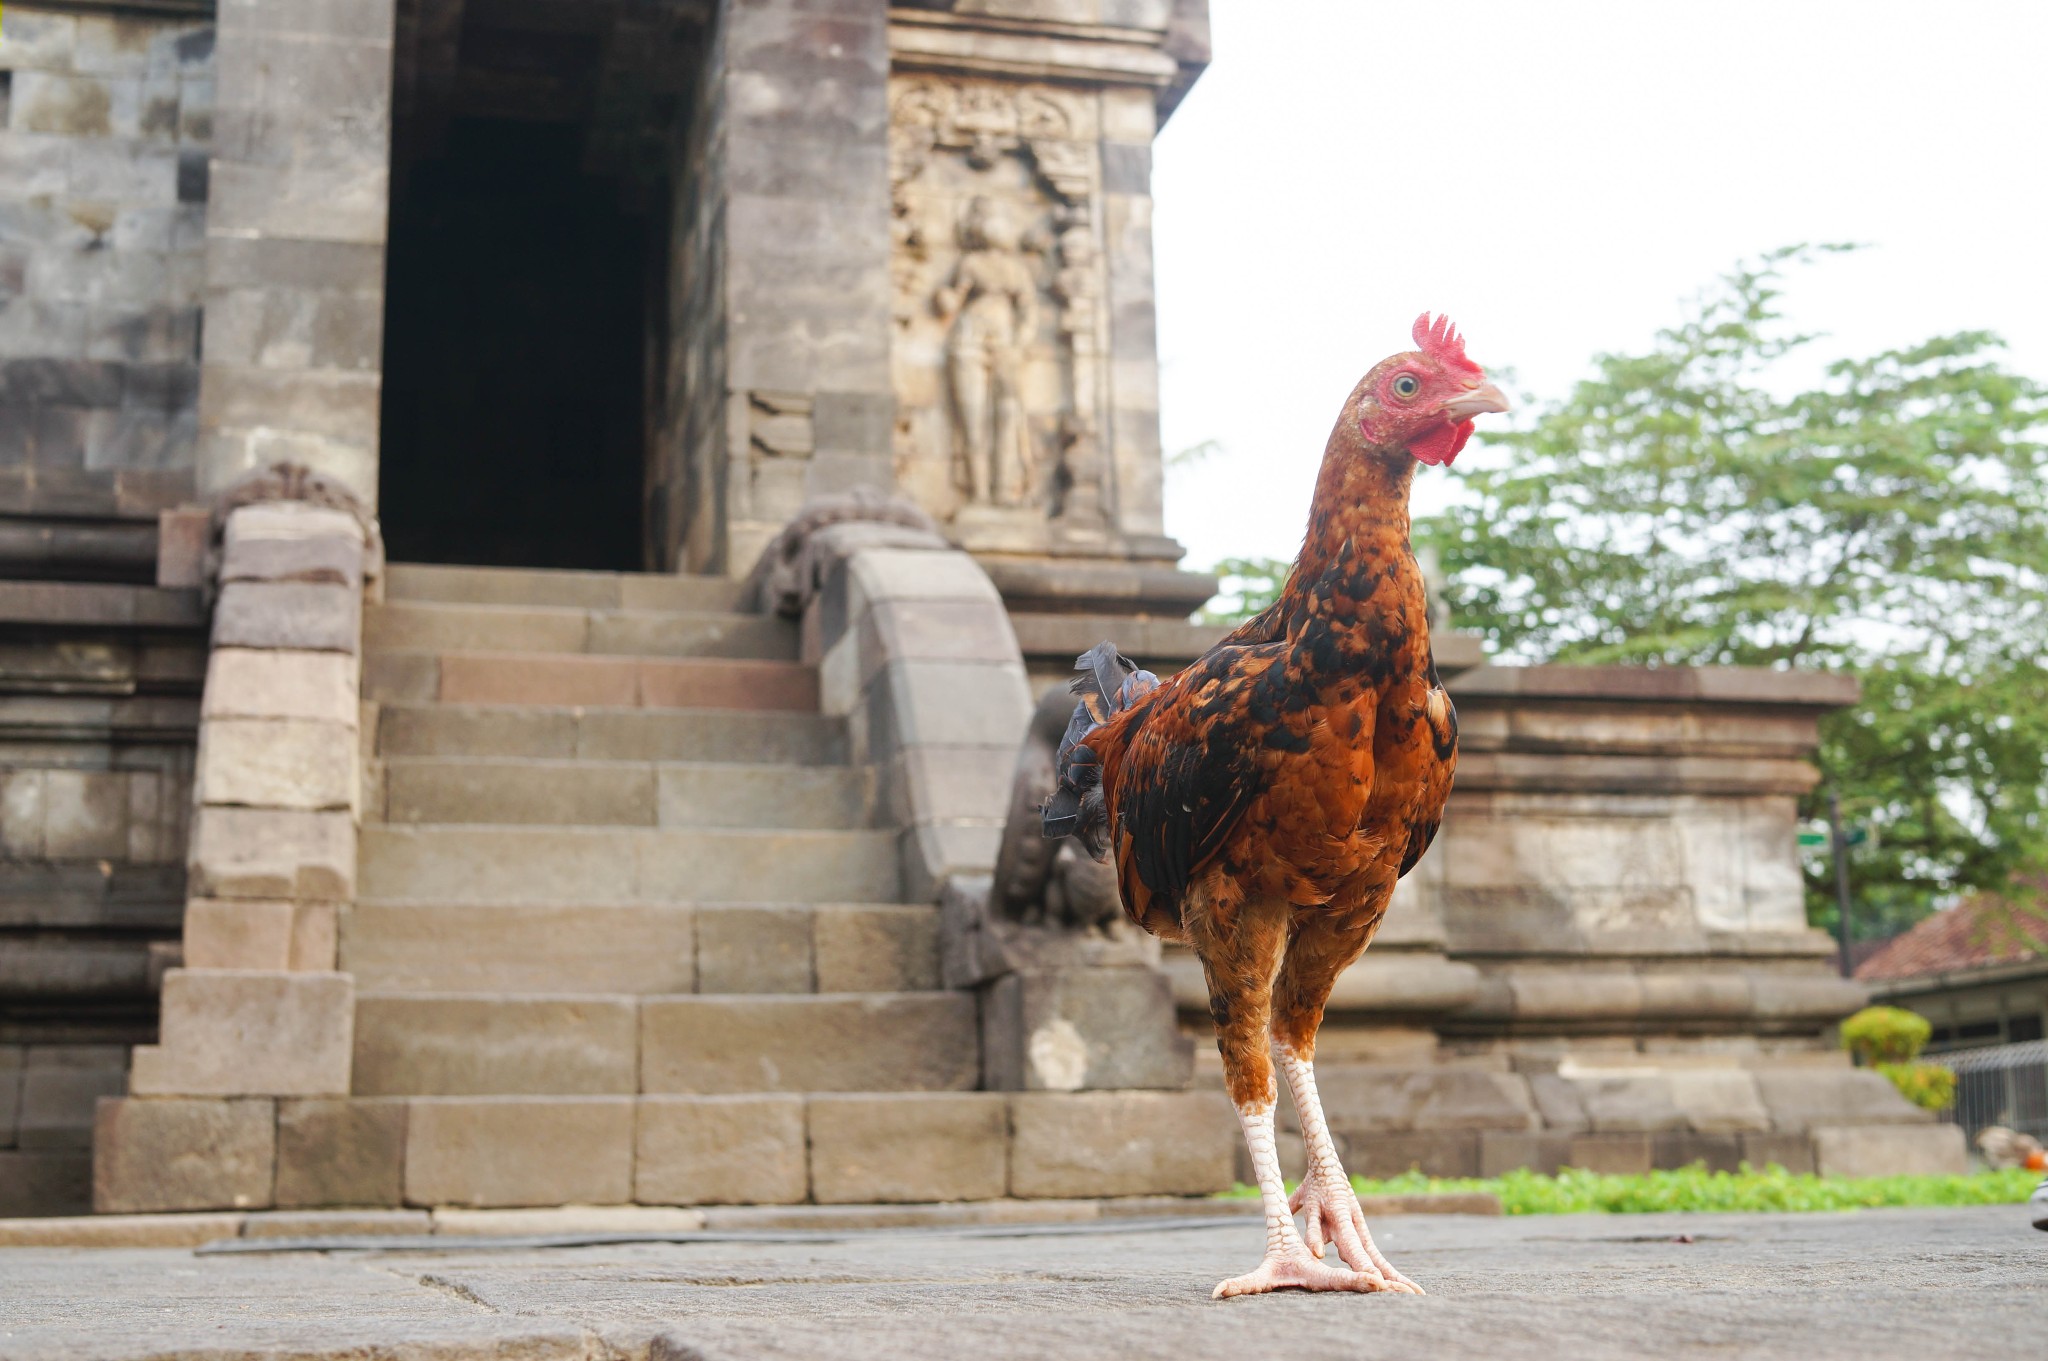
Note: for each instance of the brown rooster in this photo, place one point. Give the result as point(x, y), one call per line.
point(1261, 804)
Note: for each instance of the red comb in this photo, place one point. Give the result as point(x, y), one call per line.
point(1440, 341)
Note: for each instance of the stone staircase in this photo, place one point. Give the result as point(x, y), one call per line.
point(629, 927)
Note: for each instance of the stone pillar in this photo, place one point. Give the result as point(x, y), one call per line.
point(258, 1011)
point(913, 647)
point(780, 306)
point(292, 343)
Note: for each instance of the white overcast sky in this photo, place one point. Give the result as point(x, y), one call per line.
point(1556, 177)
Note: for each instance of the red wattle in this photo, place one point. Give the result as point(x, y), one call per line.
point(1440, 445)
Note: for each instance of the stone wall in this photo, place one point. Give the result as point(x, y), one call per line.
point(780, 346)
point(98, 706)
point(1024, 358)
point(258, 1010)
point(687, 471)
point(106, 121)
point(295, 230)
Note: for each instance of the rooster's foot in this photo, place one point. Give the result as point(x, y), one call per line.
point(1295, 1269)
point(1334, 1216)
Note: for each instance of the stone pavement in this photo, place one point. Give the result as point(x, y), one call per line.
point(1879, 1283)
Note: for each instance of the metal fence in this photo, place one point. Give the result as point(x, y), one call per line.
point(2004, 1084)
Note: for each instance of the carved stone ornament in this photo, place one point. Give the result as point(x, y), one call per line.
point(1001, 329)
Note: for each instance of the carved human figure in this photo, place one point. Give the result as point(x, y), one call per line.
point(991, 302)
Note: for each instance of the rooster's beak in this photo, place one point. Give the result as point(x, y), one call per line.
point(1486, 397)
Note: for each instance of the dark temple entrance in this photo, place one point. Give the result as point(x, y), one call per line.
point(526, 279)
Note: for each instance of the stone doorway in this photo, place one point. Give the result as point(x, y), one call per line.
point(526, 290)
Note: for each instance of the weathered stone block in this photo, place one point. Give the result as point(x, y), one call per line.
point(289, 615)
point(934, 853)
point(57, 1104)
point(1793, 1152)
point(918, 574)
point(151, 1156)
point(1472, 1099)
point(68, 814)
point(277, 763)
point(1121, 1143)
point(486, 1151)
point(925, 783)
point(1619, 1153)
point(1364, 1099)
point(350, 1221)
point(1501, 1153)
point(1557, 1102)
point(249, 1033)
point(1065, 1030)
point(273, 853)
point(514, 949)
point(875, 949)
point(10, 1095)
point(1682, 1148)
point(323, 559)
point(719, 1150)
point(248, 934)
point(257, 683)
point(453, 1045)
point(348, 1152)
point(181, 545)
point(1718, 1100)
point(497, 793)
point(69, 106)
point(908, 1147)
point(859, 1043)
point(1889, 1150)
point(753, 950)
point(38, 1182)
point(1438, 1153)
point(1802, 1099)
point(1623, 1105)
point(936, 703)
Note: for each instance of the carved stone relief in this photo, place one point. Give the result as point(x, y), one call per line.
point(1001, 332)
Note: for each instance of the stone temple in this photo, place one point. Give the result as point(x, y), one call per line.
point(531, 534)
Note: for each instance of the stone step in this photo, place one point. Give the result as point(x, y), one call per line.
point(428, 626)
point(640, 948)
point(563, 1044)
point(584, 590)
point(496, 864)
point(554, 678)
point(526, 790)
point(855, 1148)
point(608, 734)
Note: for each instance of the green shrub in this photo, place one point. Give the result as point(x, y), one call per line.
point(1885, 1035)
point(1927, 1085)
point(1694, 1188)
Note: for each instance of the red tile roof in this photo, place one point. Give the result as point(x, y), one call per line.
point(1982, 931)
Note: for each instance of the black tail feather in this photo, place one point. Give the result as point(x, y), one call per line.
point(1108, 684)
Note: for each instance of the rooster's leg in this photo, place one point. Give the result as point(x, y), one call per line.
point(1322, 945)
point(1240, 948)
point(1325, 1197)
point(1289, 1265)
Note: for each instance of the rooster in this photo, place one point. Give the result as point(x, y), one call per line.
point(1261, 804)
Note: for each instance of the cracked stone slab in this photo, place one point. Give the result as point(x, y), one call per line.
point(1871, 1284)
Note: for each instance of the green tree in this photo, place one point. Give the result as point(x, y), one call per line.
point(1685, 506)
point(1244, 587)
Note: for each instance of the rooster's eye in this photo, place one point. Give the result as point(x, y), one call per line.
point(1406, 386)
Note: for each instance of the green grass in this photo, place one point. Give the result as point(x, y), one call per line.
point(1574, 1191)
